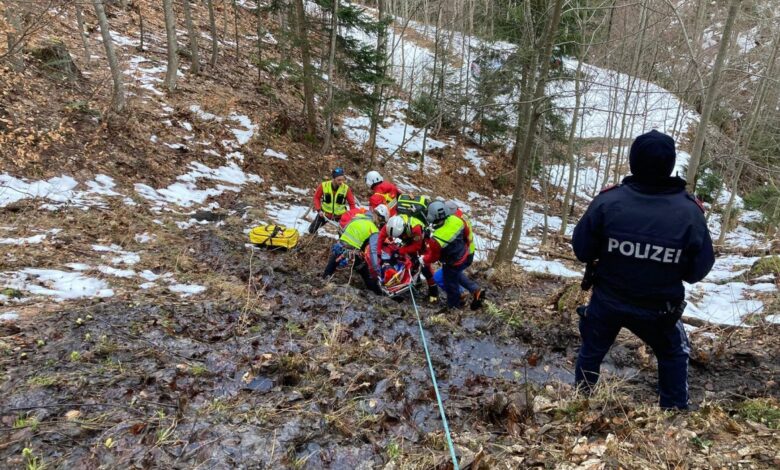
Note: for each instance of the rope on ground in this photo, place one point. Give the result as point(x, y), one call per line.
point(435, 384)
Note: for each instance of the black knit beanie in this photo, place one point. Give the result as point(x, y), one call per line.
point(652, 156)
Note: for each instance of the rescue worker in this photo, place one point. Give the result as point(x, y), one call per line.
point(350, 214)
point(379, 187)
point(453, 208)
point(355, 237)
point(380, 214)
point(641, 240)
point(411, 232)
point(449, 243)
point(331, 200)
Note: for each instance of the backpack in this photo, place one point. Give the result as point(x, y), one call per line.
point(413, 206)
point(274, 237)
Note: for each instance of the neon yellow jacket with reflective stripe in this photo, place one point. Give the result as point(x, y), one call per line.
point(358, 230)
point(450, 238)
point(411, 221)
point(334, 203)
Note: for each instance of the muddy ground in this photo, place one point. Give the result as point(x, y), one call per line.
point(304, 374)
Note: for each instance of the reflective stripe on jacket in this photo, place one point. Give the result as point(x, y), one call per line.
point(334, 202)
point(357, 232)
point(451, 239)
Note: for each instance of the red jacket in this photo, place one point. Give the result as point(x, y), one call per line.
point(318, 198)
point(433, 251)
point(378, 200)
point(413, 245)
point(386, 188)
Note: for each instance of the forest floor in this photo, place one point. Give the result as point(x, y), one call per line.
point(276, 368)
point(137, 328)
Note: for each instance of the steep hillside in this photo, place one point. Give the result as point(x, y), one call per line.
point(139, 329)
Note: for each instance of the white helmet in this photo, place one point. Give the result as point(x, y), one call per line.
point(437, 212)
point(396, 226)
point(372, 178)
point(382, 211)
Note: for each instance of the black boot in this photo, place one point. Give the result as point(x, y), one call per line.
point(478, 300)
point(433, 294)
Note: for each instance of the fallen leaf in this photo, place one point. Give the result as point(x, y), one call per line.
point(137, 428)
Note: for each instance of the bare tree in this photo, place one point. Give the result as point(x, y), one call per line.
point(213, 29)
point(510, 236)
point(712, 93)
point(381, 47)
point(334, 25)
point(82, 33)
point(118, 101)
point(571, 186)
point(170, 33)
point(193, 38)
point(633, 73)
point(308, 81)
point(567, 198)
point(140, 26)
point(235, 27)
point(13, 37)
point(260, 34)
point(746, 136)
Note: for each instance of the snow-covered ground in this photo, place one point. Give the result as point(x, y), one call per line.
point(395, 132)
point(726, 304)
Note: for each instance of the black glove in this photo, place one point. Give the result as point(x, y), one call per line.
point(589, 278)
point(672, 313)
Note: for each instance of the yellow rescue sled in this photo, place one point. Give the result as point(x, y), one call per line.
point(274, 236)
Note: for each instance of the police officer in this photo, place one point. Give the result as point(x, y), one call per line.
point(641, 240)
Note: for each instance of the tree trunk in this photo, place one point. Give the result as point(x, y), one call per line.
point(140, 27)
point(225, 22)
point(118, 101)
point(193, 37)
point(308, 83)
point(518, 196)
point(743, 142)
point(542, 157)
point(82, 33)
point(334, 28)
point(570, 149)
point(213, 28)
point(260, 35)
point(235, 28)
point(468, 69)
point(634, 72)
point(712, 93)
point(170, 33)
point(381, 48)
point(17, 63)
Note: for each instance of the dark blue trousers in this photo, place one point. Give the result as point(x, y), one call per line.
point(603, 320)
point(454, 278)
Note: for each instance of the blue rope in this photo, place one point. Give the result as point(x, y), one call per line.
point(435, 385)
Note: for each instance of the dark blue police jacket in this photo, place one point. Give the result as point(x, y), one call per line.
point(646, 240)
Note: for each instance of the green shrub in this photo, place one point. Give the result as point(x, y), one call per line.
point(764, 199)
point(708, 186)
point(761, 411)
point(766, 265)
